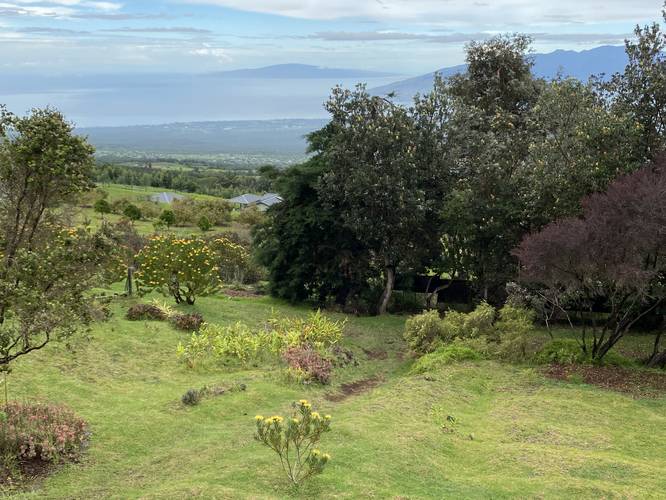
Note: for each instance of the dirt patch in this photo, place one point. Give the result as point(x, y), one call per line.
point(378, 354)
point(353, 389)
point(242, 293)
point(638, 383)
point(26, 474)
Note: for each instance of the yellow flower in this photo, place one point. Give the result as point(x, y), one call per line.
point(258, 418)
point(316, 415)
point(327, 417)
point(303, 402)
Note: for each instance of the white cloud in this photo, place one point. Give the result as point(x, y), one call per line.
point(509, 12)
point(207, 50)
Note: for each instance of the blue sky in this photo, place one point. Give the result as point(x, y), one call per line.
point(403, 36)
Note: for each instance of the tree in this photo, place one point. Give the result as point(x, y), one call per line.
point(102, 206)
point(611, 256)
point(168, 217)
point(132, 212)
point(204, 224)
point(128, 243)
point(46, 268)
point(380, 190)
point(182, 268)
point(641, 90)
point(307, 250)
point(488, 140)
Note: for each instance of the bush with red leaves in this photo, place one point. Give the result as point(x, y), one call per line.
point(141, 312)
point(309, 362)
point(187, 322)
point(50, 433)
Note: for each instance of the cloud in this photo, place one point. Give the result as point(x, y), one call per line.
point(208, 51)
point(453, 38)
point(175, 29)
point(509, 12)
point(55, 8)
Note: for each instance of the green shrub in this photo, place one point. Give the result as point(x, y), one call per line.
point(294, 440)
point(168, 217)
point(132, 212)
point(204, 223)
point(445, 355)
point(102, 206)
point(562, 352)
point(238, 341)
point(424, 332)
point(457, 325)
point(513, 330)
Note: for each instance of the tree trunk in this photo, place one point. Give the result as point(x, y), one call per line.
point(129, 284)
point(388, 290)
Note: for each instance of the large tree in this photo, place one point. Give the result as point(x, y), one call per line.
point(640, 90)
point(382, 192)
point(488, 138)
point(46, 268)
point(308, 252)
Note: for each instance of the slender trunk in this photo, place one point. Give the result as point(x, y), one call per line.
point(388, 290)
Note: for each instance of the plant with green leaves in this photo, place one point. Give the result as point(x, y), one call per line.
point(46, 268)
point(184, 268)
point(294, 440)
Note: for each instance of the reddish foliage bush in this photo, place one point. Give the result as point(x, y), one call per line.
point(44, 432)
point(187, 322)
point(140, 312)
point(309, 362)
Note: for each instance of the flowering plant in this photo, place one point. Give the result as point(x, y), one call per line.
point(294, 440)
point(184, 268)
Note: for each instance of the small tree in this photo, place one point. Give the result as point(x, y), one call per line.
point(46, 269)
point(132, 212)
point(204, 223)
point(182, 268)
point(102, 206)
point(612, 256)
point(168, 217)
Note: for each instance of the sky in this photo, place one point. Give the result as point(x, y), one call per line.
point(406, 37)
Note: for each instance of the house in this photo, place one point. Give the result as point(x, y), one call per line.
point(166, 197)
point(262, 203)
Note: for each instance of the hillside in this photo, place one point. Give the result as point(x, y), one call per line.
point(582, 65)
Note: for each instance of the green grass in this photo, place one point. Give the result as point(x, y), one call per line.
point(516, 433)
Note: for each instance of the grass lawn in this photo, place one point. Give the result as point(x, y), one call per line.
point(516, 433)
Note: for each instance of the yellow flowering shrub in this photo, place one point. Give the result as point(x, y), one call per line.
point(184, 268)
point(294, 440)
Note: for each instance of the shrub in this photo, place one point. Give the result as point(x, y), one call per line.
point(233, 260)
point(294, 440)
point(49, 433)
point(204, 223)
point(187, 322)
point(251, 216)
point(445, 355)
point(513, 330)
point(132, 212)
point(309, 362)
point(102, 206)
point(191, 398)
point(562, 352)
point(168, 217)
point(424, 332)
point(181, 267)
point(240, 342)
point(141, 312)
point(316, 331)
point(235, 341)
point(470, 325)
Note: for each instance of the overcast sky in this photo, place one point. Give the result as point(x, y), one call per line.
point(403, 36)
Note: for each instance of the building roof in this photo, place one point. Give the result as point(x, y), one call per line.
point(245, 199)
point(268, 199)
point(166, 197)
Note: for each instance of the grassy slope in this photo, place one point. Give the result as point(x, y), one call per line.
point(531, 437)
